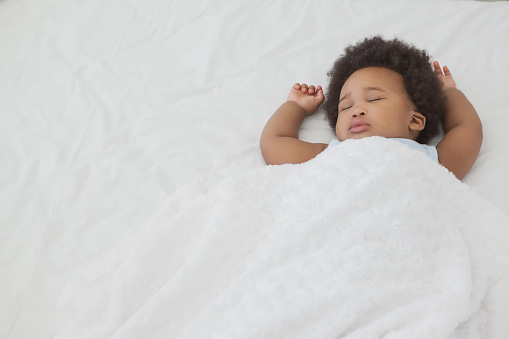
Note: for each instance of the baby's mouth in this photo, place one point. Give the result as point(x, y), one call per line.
point(358, 125)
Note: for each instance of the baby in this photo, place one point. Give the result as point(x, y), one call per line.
point(381, 88)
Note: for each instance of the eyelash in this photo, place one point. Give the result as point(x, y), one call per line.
point(371, 100)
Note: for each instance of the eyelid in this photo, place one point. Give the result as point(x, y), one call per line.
point(369, 100)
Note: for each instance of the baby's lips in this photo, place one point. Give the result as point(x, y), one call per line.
point(358, 122)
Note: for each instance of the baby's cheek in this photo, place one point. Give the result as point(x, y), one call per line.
point(339, 131)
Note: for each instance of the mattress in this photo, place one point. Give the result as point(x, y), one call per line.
point(109, 108)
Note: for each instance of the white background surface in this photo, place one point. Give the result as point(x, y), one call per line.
point(106, 108)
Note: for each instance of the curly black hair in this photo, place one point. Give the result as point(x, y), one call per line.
point(421, 83)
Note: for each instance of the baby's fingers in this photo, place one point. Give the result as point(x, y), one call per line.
point(447, 72)
point(438, 70)
point(304, 88)
point(315, 90)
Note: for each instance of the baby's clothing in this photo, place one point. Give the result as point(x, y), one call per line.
point(430, 151)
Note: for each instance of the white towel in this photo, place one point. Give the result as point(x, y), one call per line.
point(371, 239)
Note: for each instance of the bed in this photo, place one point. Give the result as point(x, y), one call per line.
point(113, 111)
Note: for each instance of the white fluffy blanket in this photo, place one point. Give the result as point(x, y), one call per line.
point(371, 239)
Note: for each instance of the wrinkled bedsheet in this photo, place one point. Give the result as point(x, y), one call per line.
point(108, 108)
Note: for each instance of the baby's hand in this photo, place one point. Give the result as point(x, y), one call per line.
point(445, 77)
point(309, 98)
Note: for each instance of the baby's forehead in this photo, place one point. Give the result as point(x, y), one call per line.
point(371, 78)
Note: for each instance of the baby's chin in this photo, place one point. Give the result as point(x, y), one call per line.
point(367, 134)
point(357, 136)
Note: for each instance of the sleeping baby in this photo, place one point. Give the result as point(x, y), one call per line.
point(384, 88)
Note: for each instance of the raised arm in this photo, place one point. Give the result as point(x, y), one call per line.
point(279, 141)
point(462, 141)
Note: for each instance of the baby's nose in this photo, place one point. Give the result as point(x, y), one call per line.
point(358, 111)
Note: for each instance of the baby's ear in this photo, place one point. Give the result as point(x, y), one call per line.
point(418, 122)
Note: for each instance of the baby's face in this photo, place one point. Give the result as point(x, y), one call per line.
point(373, 101)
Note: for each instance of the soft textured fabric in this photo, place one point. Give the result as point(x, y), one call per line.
point(367, 240)
point(430, 151)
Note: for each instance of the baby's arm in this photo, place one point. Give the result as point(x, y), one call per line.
point(462, 141)
point(279, 141)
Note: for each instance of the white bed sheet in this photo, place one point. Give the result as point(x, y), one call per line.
point(107, 107)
